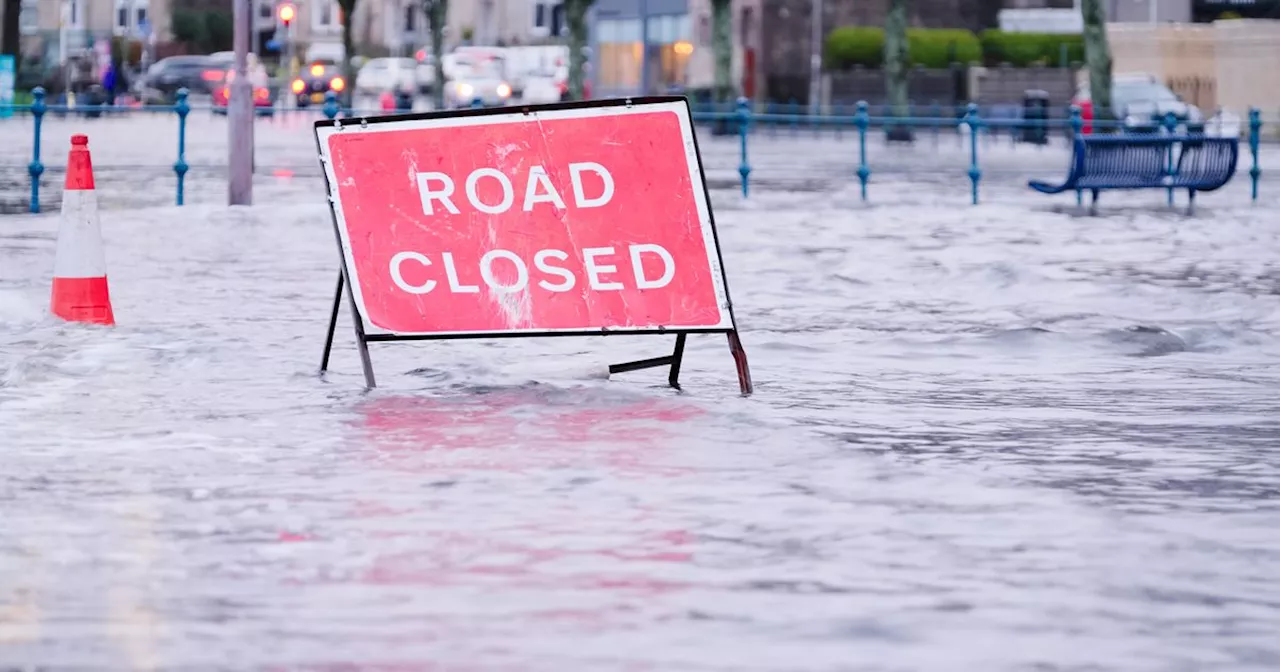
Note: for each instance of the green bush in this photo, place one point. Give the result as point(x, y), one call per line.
point(859, 45)
point(1026, 49)
point(854, 45)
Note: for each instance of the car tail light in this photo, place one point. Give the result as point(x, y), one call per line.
point(297, 86)
point(260, 94)
point(211, 75)
point(337, 84)
point(226, 93)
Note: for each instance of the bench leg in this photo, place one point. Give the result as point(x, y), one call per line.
point(1079, 198)
point(1093, 205)
point(1191, 201)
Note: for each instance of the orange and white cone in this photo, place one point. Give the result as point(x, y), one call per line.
point(80, 267)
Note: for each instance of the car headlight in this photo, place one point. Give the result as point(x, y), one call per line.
point(463, 89)
point(504, 90)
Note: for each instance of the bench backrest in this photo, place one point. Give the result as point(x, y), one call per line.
point(1127, 159)
point(1211, 161)
point(1122, 158)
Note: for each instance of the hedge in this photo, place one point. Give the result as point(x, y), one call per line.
point(859, 45)
point(938, 48)
point(1024, 49)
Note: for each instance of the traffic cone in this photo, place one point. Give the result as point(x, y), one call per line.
point(80, 267)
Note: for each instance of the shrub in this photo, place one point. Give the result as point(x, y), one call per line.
point(860, 45)
point(1026, 49)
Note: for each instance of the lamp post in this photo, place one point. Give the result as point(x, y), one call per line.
point(240, 114)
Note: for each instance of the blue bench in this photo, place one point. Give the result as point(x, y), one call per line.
point(1191, 162)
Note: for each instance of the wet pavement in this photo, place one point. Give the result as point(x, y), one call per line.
point(1008, 437)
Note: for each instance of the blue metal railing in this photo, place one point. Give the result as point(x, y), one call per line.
point(746, 122)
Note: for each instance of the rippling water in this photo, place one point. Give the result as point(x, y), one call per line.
point(997, 438)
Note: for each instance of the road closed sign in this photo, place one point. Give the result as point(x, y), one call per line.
point(586, 218)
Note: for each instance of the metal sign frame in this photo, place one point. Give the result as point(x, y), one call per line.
point(344, 283)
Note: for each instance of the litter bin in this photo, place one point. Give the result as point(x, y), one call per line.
point(1035, 116)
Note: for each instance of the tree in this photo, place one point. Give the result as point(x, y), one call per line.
point(722, 22)
point(1098, 54)
point(895, 65)
point(348, 50)
point(575, 17)
point(437, 12)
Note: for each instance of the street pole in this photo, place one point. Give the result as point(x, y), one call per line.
point(240, 114)
point(815, 60)
point(644, 47)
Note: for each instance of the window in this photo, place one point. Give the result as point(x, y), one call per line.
point(704, 30)
point(71, 14)
point(130, 17)
point(548, 18)
point(266, 11)
point(28, 17)
point(326, 15)
point(411, 18)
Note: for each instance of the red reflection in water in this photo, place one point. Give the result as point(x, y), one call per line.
point(518, 431)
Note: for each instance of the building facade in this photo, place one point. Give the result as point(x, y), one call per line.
point(657, 46)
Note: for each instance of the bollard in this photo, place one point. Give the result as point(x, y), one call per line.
point(180, 167)
point(1077, 127)
point(975, 123)
point(331, 104)
point(861, 121)
point(744, 123)
point(35, 168)
point(1170, 127)
point(1255, 132)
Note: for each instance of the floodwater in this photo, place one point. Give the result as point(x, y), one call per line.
point(1004, 437)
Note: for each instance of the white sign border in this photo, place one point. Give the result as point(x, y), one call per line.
point(532, 114)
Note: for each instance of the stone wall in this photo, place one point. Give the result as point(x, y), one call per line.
point(786, 43)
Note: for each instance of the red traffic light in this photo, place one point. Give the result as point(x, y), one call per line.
point(286, 12)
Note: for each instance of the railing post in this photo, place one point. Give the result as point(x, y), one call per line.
point(35, 168)
point(975, 123)
point(1170, 127)
point(331, 104)
point(861, 121)
point(1255, 132)
point(1077, 127)
point(744, 123)
point(180, 167)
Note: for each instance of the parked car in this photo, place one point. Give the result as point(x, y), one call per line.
point(476, 79)
point(317, 79)
point(381, 75)
point(1137, 99)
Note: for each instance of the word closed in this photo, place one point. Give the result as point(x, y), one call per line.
point(558, 220)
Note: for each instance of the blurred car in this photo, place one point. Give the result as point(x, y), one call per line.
point(315, 80)
point(1137, 100)
point(476, 79)
point(197, 74)
point(263, 102)
point(550, 86)
point(381, 75)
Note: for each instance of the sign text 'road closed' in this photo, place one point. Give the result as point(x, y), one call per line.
point(573, 220)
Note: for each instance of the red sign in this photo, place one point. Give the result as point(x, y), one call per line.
point(546, 220)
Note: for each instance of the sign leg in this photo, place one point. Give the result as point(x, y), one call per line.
point(740, 359)
point(676, 358)
point(333, 325)
point(361, 343)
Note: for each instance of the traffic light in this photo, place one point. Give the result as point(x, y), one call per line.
point(286, 12)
